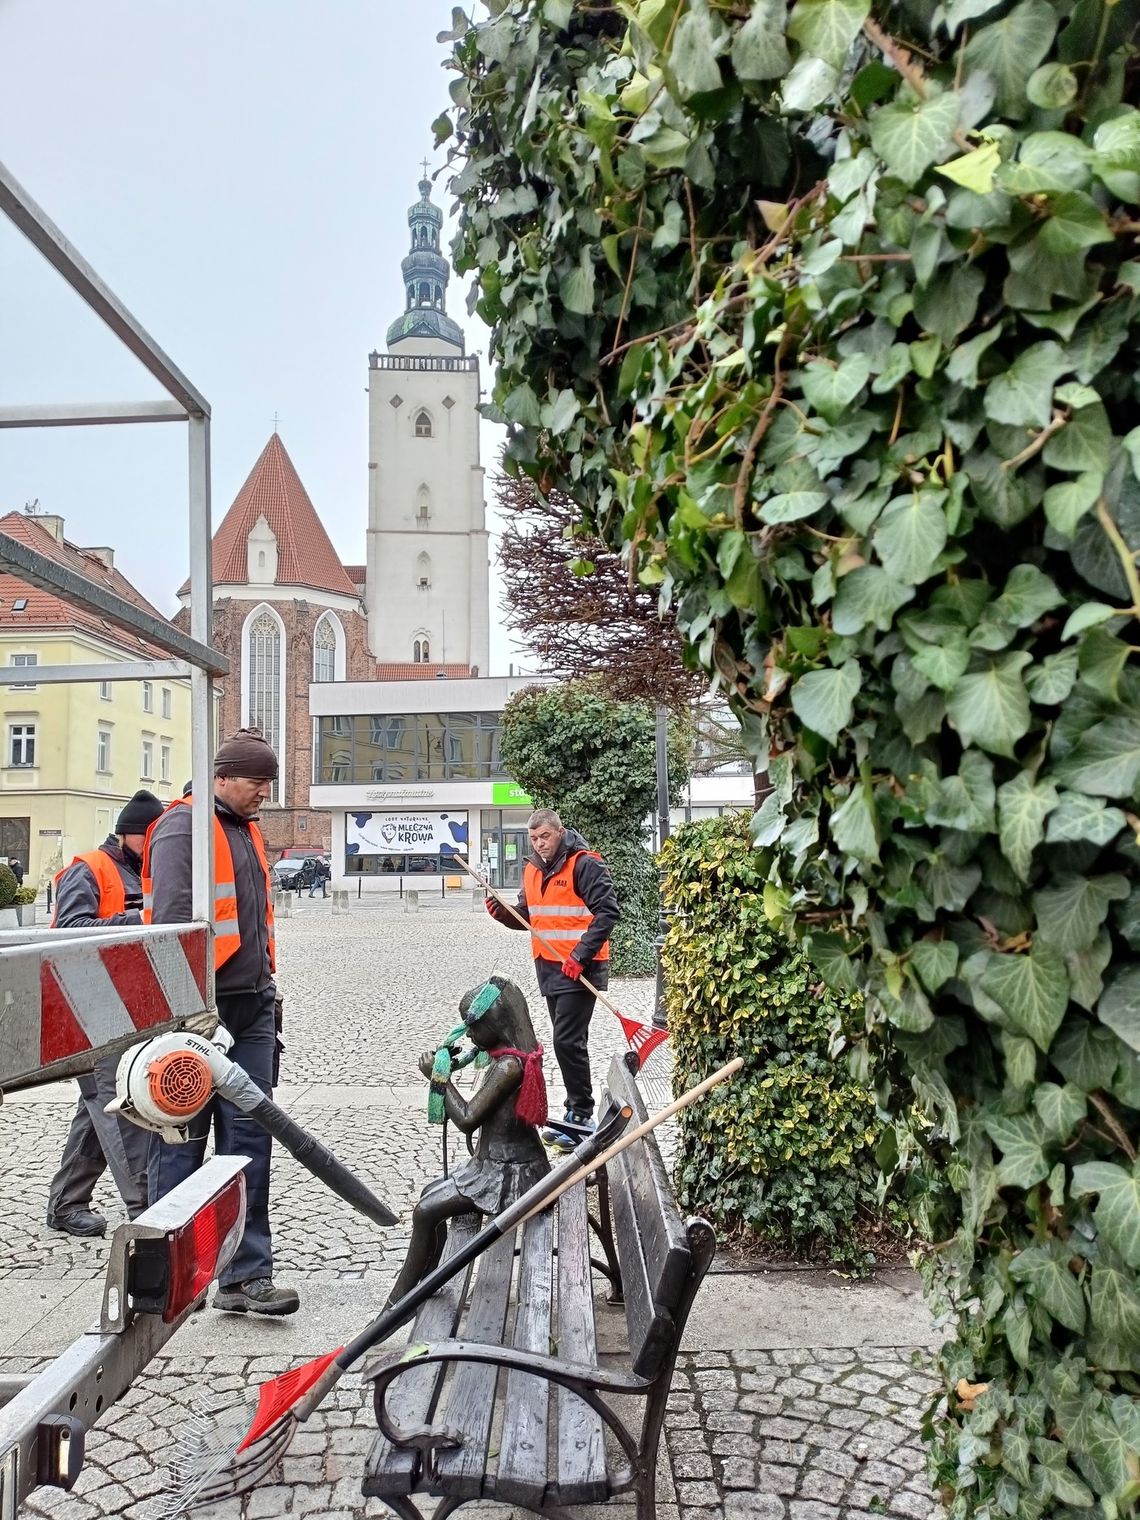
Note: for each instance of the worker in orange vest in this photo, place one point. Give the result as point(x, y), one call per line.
point(98, 891)
point(245, 769)
point(569, 900)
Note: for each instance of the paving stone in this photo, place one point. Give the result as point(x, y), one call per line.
point(754, 1507)
point(810, 1509)
point(698, 1495)
point(912, 1506)
point(696, 1464)
point(729, 1444)
point(824, 1486)
point(786, 1453)
point(264, 1503)
point(776, 1480)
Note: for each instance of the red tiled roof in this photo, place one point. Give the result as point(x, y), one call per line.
point(46, 610)
point(420, 672)
point(305, 555)
point(357, 574)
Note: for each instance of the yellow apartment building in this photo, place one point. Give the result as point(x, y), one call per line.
point(73, 753)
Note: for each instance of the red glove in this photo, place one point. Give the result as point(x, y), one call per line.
point(571, 968)
point(490, 905)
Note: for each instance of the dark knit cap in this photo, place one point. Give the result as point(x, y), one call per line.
point(246, 754)
point(139, 813)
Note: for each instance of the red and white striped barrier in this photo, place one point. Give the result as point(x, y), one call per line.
point(64, 994)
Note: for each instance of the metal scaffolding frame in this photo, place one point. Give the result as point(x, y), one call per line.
point(192, 655)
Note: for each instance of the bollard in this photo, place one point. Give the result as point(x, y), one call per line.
point(282, 905)
point(412, 900)
point(340, 900)
point(478, 899)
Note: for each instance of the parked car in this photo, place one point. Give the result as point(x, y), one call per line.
point(285, 874)
point(302, 852)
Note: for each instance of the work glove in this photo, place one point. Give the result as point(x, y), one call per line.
point(490, 905)
point(571, 968)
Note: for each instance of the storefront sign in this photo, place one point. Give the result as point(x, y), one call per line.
point(509, 794)
point(405, 833)
point(401, 794)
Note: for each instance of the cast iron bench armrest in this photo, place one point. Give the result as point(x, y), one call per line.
point(579, 1377)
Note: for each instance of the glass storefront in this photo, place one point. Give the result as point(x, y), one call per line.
point(403, 747)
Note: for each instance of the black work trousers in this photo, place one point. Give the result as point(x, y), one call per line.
point(570, 1015)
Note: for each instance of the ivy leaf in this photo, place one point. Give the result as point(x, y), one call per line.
point(1076, 222)
point(1052, 87)
point(1117, 1215)
point(855, 823)
point(910, 136)
point(1021, 1142)
point(867, 595)
point(1043, 1270)
point(1082, 444)
point(1068, 501)
point(810, 82)
point(1115, 1311)
point(558, 414)
point(1083, 818)
point(1051, 682)
point(1023, 806)
point(1023, 395)
point(577, 288)
point(948, 304)
point(990, 707)
point(693, 55)
point(1088, 616)
point(1032, 990)
point(831, 388)
point(824, 700)
point(1119, 1007)
point(790, 506)
point(935, 961)
point(944, 663)
point(759, 50)
point(1087, 968)
point(827, 28)
point(1085, 1054)
point(1070, 913)
point(768, 823)
point(1105, 761)
point(1060, 1109)
point(911, 535)
point(521, 405)
point(1010, 50)
point(974, 170)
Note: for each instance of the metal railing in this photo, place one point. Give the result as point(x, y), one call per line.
point(422, 362)
point(192, 656)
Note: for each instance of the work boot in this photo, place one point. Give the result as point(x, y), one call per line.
point(82, 1222)
point(257, 1296)
point(566, 1134)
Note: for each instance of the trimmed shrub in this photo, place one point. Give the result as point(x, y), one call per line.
point(786, 1149)
point(9, 886)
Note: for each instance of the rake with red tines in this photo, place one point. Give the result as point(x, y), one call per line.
point(229, 1452)
point(642, 1039)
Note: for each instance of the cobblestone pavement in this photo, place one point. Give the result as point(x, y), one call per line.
point(813, 1434)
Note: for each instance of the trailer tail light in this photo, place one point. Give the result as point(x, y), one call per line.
point(201, 1249)
point(168, 1264)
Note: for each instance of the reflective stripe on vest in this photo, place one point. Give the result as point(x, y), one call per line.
point(112, 892)
point(559, 913)
point(227, 936)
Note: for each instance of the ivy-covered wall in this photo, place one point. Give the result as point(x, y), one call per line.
point(786, 1149)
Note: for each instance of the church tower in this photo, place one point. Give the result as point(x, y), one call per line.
point(427, 579)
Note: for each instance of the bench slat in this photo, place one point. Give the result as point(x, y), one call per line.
point(412, 1399)
point(649, 1323)
point(471, 1396)
point(581, 1461)
point(521, 1478)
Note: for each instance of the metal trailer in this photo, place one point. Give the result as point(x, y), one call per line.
point(68, 997)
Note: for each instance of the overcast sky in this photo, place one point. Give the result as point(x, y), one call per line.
point(239, 172)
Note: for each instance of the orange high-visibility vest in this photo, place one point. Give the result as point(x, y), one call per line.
point(227, 939)
point(558, 916)
point(112, 893)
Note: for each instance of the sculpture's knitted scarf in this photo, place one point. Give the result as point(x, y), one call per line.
point(530, 1105)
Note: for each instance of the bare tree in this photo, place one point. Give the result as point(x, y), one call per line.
point(571, 601)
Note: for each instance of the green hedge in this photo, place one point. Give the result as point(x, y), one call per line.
point(787, 1148)
point(9, 886)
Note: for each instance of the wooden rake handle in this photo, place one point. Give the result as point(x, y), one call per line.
point(691, 1096)
point(529, 927)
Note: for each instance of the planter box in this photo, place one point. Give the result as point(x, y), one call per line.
point(26, 913)
point(9, 919)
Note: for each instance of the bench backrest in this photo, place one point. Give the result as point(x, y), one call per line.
point(651, 1237)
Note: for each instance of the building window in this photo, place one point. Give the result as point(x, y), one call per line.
point(164, 763)
point(20, 604)
point(148, 696)
point(265, 681)
point(103, 751)
point(105, 691)
point(23, 659)
point(423, 505)
point(409, 747)
point(421, 652)
point(166, 701)
point(324, 652)
point(423, 425)
point(22, 744)
point(146, 770)
point(423, 572)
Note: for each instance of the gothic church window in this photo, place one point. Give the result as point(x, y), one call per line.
point(423, 504)
point(264, 705)
point(423, 425)
point(423, 572)
point(324, 652)
point(421, 653)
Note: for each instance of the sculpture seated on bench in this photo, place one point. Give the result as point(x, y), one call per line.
point(506, 1109)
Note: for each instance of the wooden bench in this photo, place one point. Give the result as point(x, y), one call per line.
point(499, 1394)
